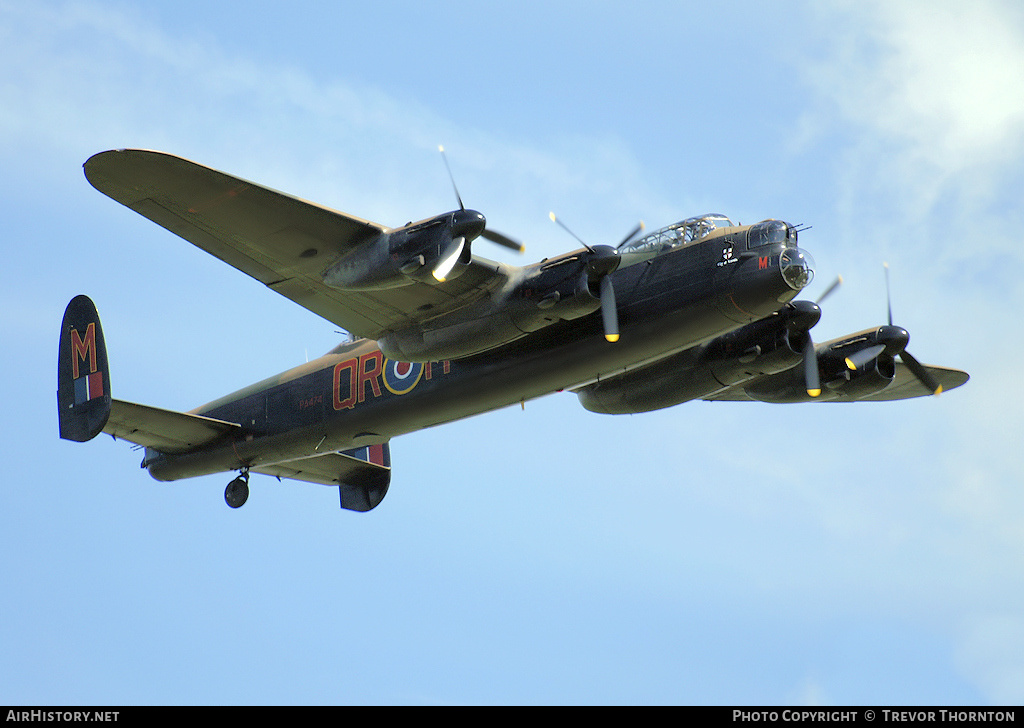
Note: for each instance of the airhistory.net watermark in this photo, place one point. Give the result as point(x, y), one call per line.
point(62, 716)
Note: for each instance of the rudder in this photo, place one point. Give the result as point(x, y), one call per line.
point(364, 483)
point(83, 377)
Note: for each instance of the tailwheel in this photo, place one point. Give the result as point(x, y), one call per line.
point(237, 491)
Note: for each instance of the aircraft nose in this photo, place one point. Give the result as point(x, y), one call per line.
point(797, 268)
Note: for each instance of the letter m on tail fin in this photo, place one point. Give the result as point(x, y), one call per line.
point(83, 378)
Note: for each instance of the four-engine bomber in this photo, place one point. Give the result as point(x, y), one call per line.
point(702, 309)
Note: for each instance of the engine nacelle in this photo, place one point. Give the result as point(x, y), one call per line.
point(767, 346)
point(541, 295)
point(451, 337)
point(558, 290)
point(412, 253)
point(839, 382)
point(762, 348)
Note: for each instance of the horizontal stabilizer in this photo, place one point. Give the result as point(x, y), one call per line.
point(164, 430)
point(85, 407)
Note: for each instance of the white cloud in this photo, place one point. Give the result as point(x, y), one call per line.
point(932, 93)
point(944, 78)
point(840, 526)
point(83, 77)
point(992, 653)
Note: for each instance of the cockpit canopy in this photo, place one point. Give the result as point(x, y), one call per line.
point(681, 233)
point(766, 232)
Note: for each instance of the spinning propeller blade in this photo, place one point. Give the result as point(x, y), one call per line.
point(804, 315)
point(633, 233)
point(862, 357)
point(500, 239)
point(451, 176)
point(888, 292)
point(491, 235)
point(832, 287)
point(896, 345)
point(601, 262)
point(921, 373)
point(562, 225)
point(811, 378)
point(449, 258)
point(609, 312)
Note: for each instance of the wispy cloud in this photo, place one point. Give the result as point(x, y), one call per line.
point(917, 115)
point(990, 652)
point(929, 173)
point(918, 110)
point(941, 79)
point(83, 75)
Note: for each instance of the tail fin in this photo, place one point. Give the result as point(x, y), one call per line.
point(363, 487)
point(83, 378)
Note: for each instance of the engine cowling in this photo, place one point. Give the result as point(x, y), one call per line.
point(875, 348)
point(768, 346)
point(555, 290)
point(560, 289)
point(429, 251)
point(765, 347)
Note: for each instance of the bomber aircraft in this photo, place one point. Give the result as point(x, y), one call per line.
point(701, 309)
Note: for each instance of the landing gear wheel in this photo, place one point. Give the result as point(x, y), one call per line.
point(237, 492)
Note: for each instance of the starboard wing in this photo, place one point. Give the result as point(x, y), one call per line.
point(906, 386)
point(280, 240)
point(903, 386)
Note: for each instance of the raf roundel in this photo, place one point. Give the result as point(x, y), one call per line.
point(401, 376)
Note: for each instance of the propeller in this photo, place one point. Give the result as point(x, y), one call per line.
point(893, 340)
point(828, 291)
point(491, 235)
point(602, 260)
point(812, 380)
point(804, 315)
point(609, 311)
point(496, 237)
point(632, 234)
point(449, 258)
point(451, 176)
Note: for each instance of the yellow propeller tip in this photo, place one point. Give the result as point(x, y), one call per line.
point(814, 392)
point(552, 216)
point(938, 391)
point(612, 337)
point(850, 365)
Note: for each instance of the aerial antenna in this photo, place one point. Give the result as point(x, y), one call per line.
point(440, 148)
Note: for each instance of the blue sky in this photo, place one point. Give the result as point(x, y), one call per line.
point(708, 553)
